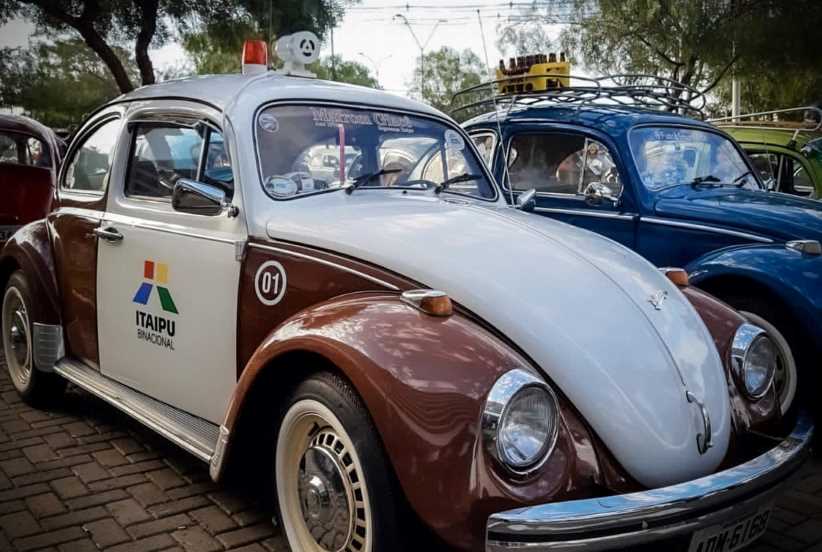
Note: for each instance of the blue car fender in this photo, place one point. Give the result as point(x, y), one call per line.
point(792, 277)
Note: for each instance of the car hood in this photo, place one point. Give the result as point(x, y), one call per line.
point(775, 215)
point(576, 303)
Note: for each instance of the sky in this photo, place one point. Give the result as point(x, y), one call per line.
point(370, 33)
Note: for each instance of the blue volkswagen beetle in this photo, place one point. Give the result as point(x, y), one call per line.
point(681, 193)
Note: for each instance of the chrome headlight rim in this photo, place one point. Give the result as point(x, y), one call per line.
point(497, 404)
point(746, 336)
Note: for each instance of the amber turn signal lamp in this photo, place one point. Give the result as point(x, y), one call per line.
point(255, 56)
point(678, 276)
point(429, 301)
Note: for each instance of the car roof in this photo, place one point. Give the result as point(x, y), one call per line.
point(773, 136)
point(224, 91)
point(19, 123)
point(612, 120)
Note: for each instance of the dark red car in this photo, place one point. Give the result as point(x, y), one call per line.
point(30, 155)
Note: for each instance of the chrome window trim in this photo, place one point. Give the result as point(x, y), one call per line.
point(586, 213)
point(618, 521)
point(705, 228)
point(326, 263)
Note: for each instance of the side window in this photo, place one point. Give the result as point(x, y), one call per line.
point(217, 167)
point(485, 143)
point(560, 164)
point(767, 165)
point(88, 169)
point(794, 178)
point(161, 156)
point(23, 150)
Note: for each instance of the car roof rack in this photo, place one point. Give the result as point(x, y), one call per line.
point(769, 120)
point(637, 91)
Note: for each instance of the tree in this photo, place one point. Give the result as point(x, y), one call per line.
point(350, 72)
point(523, 34)
point(103, 24)
point(689, 42)
point(701, 43)
point(57, 83)
point(447, 71)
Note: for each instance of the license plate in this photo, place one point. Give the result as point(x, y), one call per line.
point(732, 536)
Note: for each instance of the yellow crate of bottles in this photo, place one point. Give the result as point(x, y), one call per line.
point(536, 73)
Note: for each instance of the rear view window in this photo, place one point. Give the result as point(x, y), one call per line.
point(23, 150)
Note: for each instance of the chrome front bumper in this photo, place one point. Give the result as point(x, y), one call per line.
point(616, 522)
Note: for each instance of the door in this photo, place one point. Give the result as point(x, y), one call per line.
point(168, 281)
point(80, 207)
point(784, 172)
point(561, 167)
point(26, 175)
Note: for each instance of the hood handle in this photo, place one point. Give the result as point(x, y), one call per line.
point(704, 439)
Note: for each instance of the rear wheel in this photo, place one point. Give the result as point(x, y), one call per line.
point(334, 488)
point(18, 345)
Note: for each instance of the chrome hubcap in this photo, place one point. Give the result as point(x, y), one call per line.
point(325, 493)
point(16, 338)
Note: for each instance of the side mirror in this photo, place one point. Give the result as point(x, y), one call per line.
point(526, 201)
point(596, 193)
point(198, 198)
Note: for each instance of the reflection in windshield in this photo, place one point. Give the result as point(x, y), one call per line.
point(308, 149)
point(671, 156)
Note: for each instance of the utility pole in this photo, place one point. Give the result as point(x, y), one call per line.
point(375, 63)
point(420, 46)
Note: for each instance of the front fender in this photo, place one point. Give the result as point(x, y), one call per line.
point(29, 250)
point(424, 381)
point(793, 277)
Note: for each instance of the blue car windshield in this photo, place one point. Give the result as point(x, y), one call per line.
point(672, 156)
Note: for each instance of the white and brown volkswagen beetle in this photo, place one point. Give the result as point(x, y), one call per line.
point(324, 280)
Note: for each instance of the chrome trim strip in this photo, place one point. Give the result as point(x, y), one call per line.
point(182, 233)
point(584, 213)
point(194, 437)
point(611, 523)
point(327, 263)
point(704, 228)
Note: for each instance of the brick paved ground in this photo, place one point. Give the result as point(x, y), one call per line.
point(86, 477)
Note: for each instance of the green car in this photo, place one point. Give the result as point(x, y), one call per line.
point(787, 154)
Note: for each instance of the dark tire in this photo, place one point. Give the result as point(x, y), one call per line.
point(329, 461)
point(783, 333)
point(17, 310)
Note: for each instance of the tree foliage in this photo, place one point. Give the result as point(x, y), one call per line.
point(702, 43)
point(105, 24)
point(524, 35)
point(57, 83)
point(445, 72)
point(340, 70)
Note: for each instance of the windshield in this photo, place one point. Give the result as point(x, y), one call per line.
point(672, 156)
point(311, 149)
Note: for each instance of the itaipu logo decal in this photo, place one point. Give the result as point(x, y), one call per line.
point(152, 328)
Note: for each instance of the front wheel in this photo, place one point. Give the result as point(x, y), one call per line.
point(334, 488)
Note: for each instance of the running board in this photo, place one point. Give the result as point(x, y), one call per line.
point(197, 436)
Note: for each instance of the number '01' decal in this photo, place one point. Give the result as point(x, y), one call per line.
point(270, 283)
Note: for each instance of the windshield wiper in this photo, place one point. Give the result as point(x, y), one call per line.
point(708, 179)
point(363, 178)
point(464, 177)
point(739, 180)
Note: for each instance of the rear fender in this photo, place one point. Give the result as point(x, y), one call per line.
point(29, 250)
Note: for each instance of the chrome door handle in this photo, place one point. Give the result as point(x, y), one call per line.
point(109, 233)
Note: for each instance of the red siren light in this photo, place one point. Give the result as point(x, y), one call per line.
point(255, 57)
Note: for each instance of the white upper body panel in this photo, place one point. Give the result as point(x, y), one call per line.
point(575, 302)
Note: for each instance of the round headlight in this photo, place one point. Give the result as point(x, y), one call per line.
point(754, 360)
point(520, 421)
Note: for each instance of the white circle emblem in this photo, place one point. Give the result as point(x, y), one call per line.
point(270, 283)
